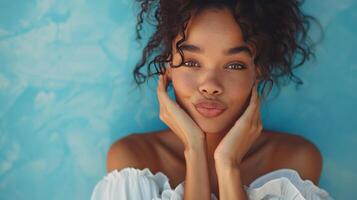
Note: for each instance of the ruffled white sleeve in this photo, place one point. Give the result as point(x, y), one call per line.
point(285, 184)
point(136, 184)
point(130, 183)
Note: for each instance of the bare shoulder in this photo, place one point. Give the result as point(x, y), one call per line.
point(133, 150)
point(298, 153)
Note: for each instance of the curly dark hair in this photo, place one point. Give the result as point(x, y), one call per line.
point(278, 30)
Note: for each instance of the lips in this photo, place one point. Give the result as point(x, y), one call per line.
point(210, 108)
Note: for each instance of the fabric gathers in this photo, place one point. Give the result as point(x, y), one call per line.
point(136, 184)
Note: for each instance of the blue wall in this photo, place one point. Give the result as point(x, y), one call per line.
point(65, 82)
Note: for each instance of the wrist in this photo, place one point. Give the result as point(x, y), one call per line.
point(196, 147)
point(226, 163)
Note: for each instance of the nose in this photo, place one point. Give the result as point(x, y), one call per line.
point(210, 86)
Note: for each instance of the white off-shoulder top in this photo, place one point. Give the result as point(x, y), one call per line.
point(135, 184)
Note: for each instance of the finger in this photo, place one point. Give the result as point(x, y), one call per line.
point(253, 93)
point(161, 93)
point(161, 83)
point(258, 119)
point(251, 109)
point(164, 80)
point(256, 114)
point(163, 97)
point(160, 89)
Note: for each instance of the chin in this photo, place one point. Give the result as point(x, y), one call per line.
point(213, 128)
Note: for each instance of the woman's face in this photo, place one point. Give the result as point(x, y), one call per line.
point(215, 69)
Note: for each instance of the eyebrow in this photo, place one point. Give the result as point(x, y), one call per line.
point(235, 50)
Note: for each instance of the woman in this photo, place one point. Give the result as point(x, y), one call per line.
point(216, 54)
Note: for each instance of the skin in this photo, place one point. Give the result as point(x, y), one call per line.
point(220, 154)
point(227, 156)
point(228, 78)
point(218, 76)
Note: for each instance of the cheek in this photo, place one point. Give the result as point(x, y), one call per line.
point(239, 97)
point(183, 83)
point(237, 91)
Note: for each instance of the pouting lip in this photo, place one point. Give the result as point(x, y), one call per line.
point(209, 112)
point(211, 104)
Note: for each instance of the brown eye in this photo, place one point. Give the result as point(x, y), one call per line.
point(190, 63)
point(237, 66)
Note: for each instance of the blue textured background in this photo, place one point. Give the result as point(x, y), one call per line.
point(65, 82)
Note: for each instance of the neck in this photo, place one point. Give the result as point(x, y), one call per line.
point(212, 141)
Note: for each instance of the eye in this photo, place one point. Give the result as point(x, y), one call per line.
point(237, 66)
point(190, 63)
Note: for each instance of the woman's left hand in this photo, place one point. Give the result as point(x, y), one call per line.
point(242, 135)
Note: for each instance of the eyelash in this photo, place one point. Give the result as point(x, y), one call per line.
point(190, 61)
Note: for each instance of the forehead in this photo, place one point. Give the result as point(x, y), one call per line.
point(213, 28)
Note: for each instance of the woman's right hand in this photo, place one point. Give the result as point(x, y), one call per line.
point(176, 118)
